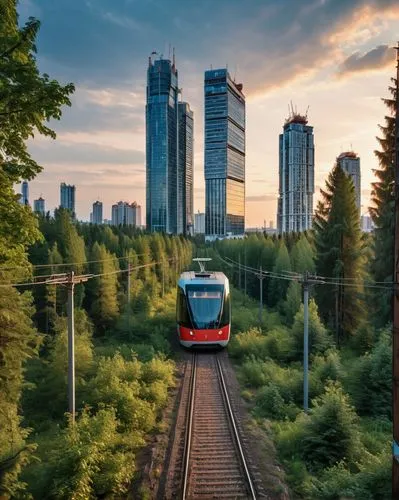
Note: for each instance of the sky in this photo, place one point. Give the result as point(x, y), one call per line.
point(335, 56)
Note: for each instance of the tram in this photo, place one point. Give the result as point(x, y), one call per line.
point(203, 309)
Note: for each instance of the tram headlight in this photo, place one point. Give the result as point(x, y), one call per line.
point(191, 333)
point(220, 332)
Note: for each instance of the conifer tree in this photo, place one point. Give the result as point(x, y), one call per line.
point(278, 287)
point(339, 246)
point(382, 211)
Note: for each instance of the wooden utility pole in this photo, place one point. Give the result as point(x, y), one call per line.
point(395, 336)
point(70, 280)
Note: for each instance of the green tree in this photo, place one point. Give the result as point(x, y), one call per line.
point(382, 211)
point(319, 339)
point(278, 287)
point(27, 101)
point(293, 301)
point(331, 434)
point(339, 246)
point(104, 288)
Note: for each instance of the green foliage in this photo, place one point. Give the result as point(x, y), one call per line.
point(382, 212)
point(340, 254)
point(269, 402)
point(319, 339)
point(370, 380)
point(92, 458)
point(19, 342)
point(292, 302)
point(278, 287)
point(331, 433)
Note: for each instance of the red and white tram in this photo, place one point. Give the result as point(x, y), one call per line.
point(203, 309)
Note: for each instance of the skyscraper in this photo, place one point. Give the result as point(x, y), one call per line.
point(296, 175)
point(97, 214)
point(350, 163)
point(39, 206)
point(67, 197)
point(24, 193)
point(224, 155)
point(162, 147)
point(186, 174)
point(126, 214)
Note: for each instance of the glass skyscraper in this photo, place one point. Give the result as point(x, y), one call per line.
point(224, 155)
point(186, 173)
point(67, 197)
point(162, 147)
point(296, 175)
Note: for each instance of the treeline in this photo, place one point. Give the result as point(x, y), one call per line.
point(105, 252)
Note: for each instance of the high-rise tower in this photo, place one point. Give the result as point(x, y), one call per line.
point(39, 206)
point(224, 155)
point(162, 147)
point(97, 214)
point(296, 175)
point(24, 200)
point(186, 173)
point(67, 197)
point(350, 164)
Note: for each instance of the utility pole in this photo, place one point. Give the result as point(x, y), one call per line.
point(261, 278)
point(395, 335)
point(239, 271)
point(245, 271)
point(128, 283)
point(306, 342)
point(70, 280)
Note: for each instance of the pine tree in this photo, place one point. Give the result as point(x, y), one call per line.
point(278, 287)
point(382, 212)
point(104, 289)
point(339, 247)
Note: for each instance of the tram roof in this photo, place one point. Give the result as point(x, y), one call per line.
point(192, 277)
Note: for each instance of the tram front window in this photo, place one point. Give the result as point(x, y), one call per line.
point(205, 304)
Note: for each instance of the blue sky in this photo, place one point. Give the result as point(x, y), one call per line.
point(333, 55)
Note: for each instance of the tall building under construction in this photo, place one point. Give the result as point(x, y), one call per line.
point(350, 164)
point(296, 175)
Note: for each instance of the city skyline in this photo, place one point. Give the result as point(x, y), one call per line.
point(341, 69)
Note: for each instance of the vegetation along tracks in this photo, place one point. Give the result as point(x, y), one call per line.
point(214, 465)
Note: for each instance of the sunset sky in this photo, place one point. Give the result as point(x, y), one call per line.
point(335, 56)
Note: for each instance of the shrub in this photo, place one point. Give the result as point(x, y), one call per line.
point(269, 402)
point(331, 433)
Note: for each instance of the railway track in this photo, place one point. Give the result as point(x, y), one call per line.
point(214, 465)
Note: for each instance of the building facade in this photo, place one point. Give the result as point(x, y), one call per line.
point(125, 214)
point(199, 223)
point(162, 146)
point(24, 193)
point(296, 175)
point(97, 214)
point(224, 155)
point(350, 164)
point(67, 197)
point(186, 168)
point(39, 206)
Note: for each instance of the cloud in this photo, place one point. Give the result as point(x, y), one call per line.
point(83, 154)
point(376, 58)
point(261, 197)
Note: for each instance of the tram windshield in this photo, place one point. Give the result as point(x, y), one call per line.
point(205, 304)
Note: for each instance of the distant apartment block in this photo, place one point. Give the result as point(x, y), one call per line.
point(350, 164)
point(39, 206)
point(199, 223)
point(97, 213)
point(67, 197)
point(125, 214)
point(296, 175)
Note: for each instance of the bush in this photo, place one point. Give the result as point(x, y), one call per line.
point(331, 434)
point(269, 402)
point(91, 458)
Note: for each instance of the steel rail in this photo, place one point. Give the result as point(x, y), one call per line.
point(235, 430)
point(187, 444)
